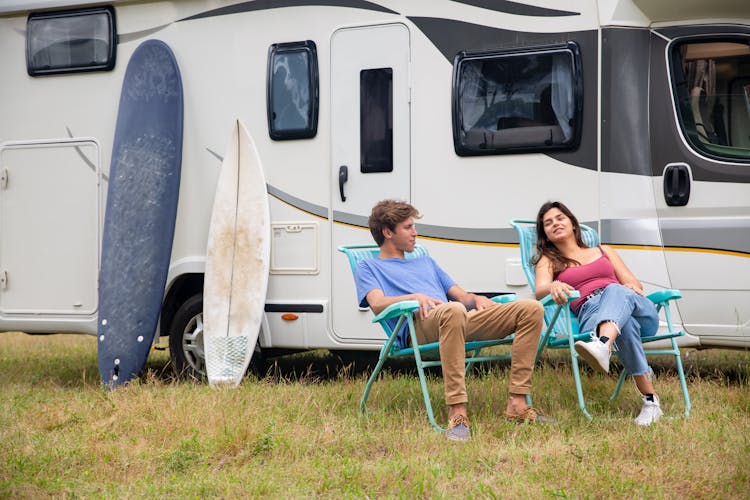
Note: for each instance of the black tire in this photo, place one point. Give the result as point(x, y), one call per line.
point(186, 339)
point(186, 342)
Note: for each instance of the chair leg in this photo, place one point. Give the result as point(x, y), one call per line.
point(577, 377)
point(379, 366)
point(423, 382)
point(370, 381)
point(620, 382)
point(681, 373)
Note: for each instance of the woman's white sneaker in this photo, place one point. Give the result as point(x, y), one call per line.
point(596, 353)
point(650, 412)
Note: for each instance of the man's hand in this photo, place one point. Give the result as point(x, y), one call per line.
point(425, 303)
point(482, 302)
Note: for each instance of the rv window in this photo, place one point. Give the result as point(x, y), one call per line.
point(376, 120)
point(516, 101)
point(712, 92)
point(292, 98)
point(71, 41)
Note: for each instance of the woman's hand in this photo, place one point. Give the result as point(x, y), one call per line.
point(560, 292)
point(636, 287)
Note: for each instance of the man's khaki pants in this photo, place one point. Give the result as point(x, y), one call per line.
point(452, 326)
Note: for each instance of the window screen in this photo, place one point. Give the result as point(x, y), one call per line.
point(71, 41)
point(376, 120)
point(712, 93)
point(513, 101)
point(292, 90)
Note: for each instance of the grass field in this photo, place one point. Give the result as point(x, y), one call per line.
point(298, 432)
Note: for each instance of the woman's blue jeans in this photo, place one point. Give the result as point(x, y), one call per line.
point(634, 315)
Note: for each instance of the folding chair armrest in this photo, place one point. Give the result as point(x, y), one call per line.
point(396, 310)
point(664, 295)
point(504, 299)
point(548, 301)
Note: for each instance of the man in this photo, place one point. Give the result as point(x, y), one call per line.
point(466, 317)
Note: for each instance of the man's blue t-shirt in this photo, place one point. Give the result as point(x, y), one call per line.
point(402, 277)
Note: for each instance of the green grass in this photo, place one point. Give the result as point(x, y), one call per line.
point(298, 432)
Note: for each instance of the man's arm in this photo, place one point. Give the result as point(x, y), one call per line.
point(379, 301)
point(470, 300)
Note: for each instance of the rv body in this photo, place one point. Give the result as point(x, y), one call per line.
point(474, 112)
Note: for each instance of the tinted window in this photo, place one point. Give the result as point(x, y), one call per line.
point(511, 101)
point(376, 120)
point(65, 42)
point(712, 89)
point(292, 90)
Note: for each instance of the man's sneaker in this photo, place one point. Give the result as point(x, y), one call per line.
point(650, 412)
point(596, 354)
point(458, 429)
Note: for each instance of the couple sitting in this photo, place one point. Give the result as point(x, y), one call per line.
point(451, 316)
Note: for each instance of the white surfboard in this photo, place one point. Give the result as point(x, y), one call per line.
point(237, 262)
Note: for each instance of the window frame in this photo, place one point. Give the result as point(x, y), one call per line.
point(313, 77)
point(112, 33)
point(680, 91)
point(577, 85)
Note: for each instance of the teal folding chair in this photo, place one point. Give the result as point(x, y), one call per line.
point(404, 313)
point(562, 331)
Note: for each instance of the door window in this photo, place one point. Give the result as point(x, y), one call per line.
point(376, 120)
point(712, 92)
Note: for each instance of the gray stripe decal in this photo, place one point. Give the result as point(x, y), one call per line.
point(517, 9)
point(469, 234)
point(136, 35)
point(731, 235)
point(85, 158)
point(715, 234)
point(724, 234)
point(305, 206)
point(276, 4)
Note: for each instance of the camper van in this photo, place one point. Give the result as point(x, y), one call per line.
point(634, 113)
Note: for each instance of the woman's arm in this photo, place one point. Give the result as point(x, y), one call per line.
point(623, 274)
point(545, 285)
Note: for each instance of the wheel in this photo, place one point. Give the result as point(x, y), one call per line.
point(186, 342)
point(186, 339)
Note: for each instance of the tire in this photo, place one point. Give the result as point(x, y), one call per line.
point(186, 342)
point(186, 339)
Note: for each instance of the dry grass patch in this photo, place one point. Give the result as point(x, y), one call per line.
point(298, 432)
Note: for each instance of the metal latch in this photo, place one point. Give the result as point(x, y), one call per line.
point(4, 178)
point(3, 280)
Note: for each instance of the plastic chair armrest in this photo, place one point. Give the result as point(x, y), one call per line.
point(664, 295)
point(548, 301)
point(396, 310)
point(504, 299)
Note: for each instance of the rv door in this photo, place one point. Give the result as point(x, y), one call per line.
point(700, 152)
point(370, 150)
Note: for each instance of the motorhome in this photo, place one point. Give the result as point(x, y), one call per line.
point(634, 113)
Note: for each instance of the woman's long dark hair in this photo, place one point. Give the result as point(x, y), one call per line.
point(546, 247)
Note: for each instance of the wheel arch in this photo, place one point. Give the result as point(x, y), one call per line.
point(181, 289)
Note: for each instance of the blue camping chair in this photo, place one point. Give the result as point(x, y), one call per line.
point(562, 330)
point(404, 312)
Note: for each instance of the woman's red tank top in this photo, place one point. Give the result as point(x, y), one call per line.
point(588, 277)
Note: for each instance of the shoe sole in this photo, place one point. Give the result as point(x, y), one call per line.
point(590, 359)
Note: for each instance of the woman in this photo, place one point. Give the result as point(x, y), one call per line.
point(612, 305)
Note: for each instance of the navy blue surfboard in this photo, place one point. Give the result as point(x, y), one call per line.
point(144, 183)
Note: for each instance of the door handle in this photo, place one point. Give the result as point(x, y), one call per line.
point(343, 177)
point(677, 184)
